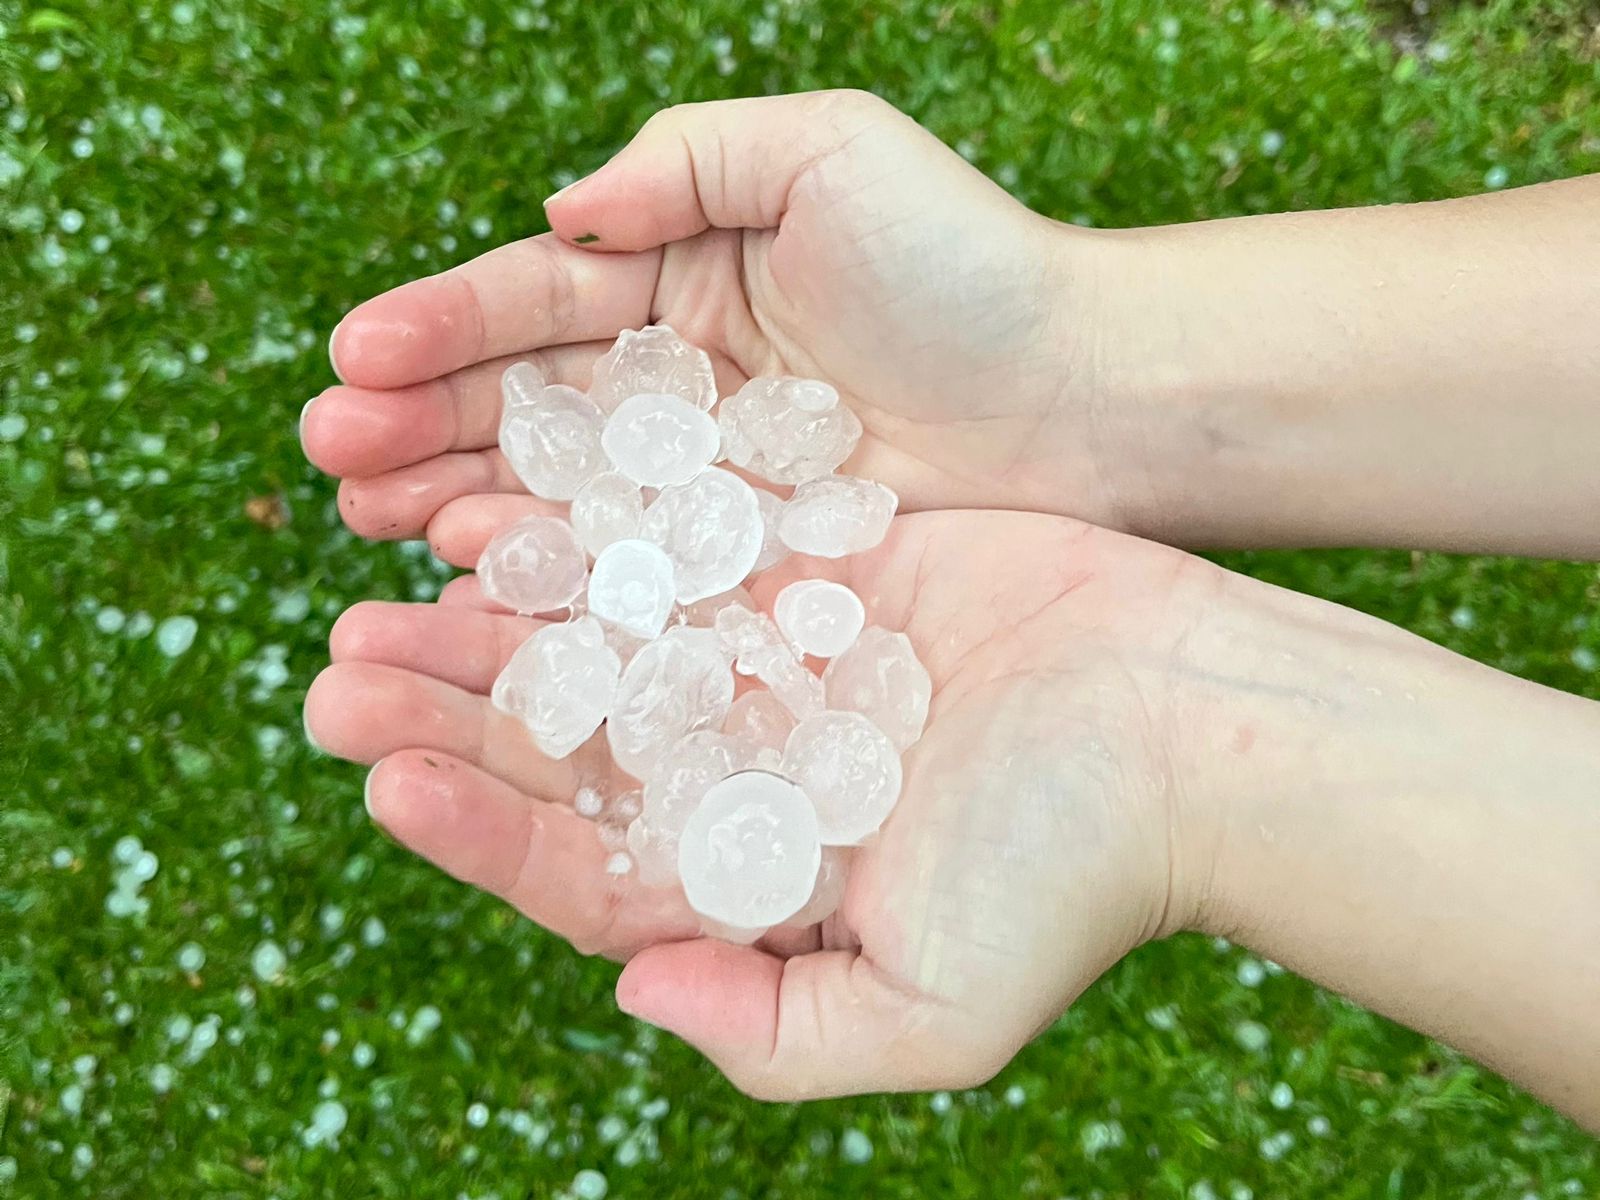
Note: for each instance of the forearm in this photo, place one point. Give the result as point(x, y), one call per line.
point(1422, 834)
point(1411, 375)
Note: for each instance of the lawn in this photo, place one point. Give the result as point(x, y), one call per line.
point(216, 979)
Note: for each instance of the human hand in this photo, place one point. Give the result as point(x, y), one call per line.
point(1037, 839)
point(823, 235)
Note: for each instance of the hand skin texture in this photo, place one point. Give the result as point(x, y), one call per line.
point(1124, 741)
point(1363, 376)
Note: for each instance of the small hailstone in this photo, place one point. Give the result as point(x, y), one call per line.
point(619, 863)
point(626, 807)
point(678, 683)
point(855, 1147)
point(534, 566)
point(703, 613)
point(561, 684)
point(689, 768)
point(606, 509)
point(850, 770)
point(818, 616)
point(657, 441)
point(589, 1184)
point(773, 551)
point(710, 528)
point(176, 634)
point(750, 852)
point(747, 637)
point(632, 587)
point(759, 717)
point(657, 361)
point(191, 957)
point(787, 430)
point(654, 853)
point(828, 891)
point(881, 677)
point(837, 515)
point(588, 802)
point(550, 435)
point(477, 1114)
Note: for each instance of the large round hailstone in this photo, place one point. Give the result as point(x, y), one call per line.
point(820, 617)
point(850, 770)
point(710, 528)
point(688, 769)
point(749, 854)
point(631, 587)
point(534, 566)
point(657, 441)
point(674, 685)
point(560, 684)
point(653, 360)
point(836, 516)
point(550, 434)
point(881, 677)
point(787, 430)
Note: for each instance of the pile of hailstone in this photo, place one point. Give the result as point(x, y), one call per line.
point(736, 771)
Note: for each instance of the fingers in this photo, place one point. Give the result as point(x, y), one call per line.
point(522, 296)
point(465, 591)
point(463, 646)
point(352, 431)
point(822, 1024)
point(542, 858)
point(365, 711)
point(400, 504)
point(462, 528)
point(725, 164)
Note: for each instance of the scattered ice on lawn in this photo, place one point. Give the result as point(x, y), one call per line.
point(653, 360)
point(191, 957)
point(632, 587)
point(836, 516)
point(819, 616)
point(162, 1077)
point(175, 635)
point(589, 1184)
point(710, 528)
point(773, 551)
point(787, 430)
point(606, 509)
point(855, 1147)
point(268, 961)
point(560, 683)
point(881, 677)
point(550, 435)
point(328, 1120)
point(687, 770)
point(678, 683)
point(750, 852)
point(850, 770)
point(477, 1114)
point(534, 566)
point(657, 441)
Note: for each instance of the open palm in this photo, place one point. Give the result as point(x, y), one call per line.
point(824, 235)
point(1029, 851)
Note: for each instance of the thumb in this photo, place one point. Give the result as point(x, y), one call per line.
point(822, 1024)
point(726, 164)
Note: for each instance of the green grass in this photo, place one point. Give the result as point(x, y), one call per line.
point(192, 193)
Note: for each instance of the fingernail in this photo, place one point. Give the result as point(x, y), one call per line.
point(305, 724)
point(366, 792)
point(332, 361)
point(300, 425)
point(554, 196)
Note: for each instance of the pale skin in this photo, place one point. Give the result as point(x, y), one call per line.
point(1125, 740)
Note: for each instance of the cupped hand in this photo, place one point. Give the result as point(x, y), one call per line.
point(825, 235)
point(1040, 834)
